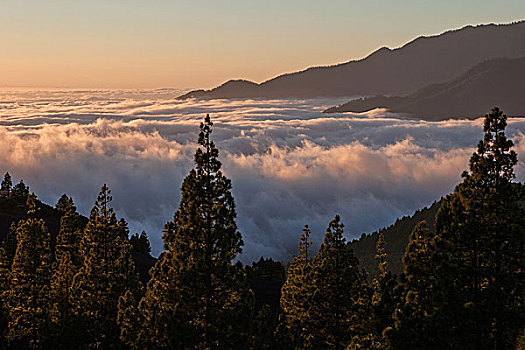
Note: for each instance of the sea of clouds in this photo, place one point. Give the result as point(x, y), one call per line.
point(290, 164)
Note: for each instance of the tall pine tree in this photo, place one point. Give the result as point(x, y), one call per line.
point(5, 281)
point(480, 247)
point(64, 202)
point(7, 184)
point(414, 319)
point(107, 272)
point(296, 296)
point(335, 313)
point(384, 300)
point(29, 296)
point(197, 298)
point(20, 192)
point(11, 243)
point(67, 265)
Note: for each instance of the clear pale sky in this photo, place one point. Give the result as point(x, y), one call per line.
point(197, 43)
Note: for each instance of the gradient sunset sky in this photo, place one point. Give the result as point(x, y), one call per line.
point(188, 44)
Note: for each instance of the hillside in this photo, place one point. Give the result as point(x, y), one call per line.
point(396, 240)
point(267, 289)
point(13, 210)
point(423, 61)
point(498, 82)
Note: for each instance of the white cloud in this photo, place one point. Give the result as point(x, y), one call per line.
point(289, 163)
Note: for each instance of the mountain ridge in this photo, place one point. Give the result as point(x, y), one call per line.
point(421, 61)
point(498, 82)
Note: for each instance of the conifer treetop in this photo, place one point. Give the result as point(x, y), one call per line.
point(64, 203)
point(304, 243)
point(207, 161)
point(32, 205)
point(334, 235)
point(6, 185)
point(494, 159)
point(101, 206)
point(381, 255)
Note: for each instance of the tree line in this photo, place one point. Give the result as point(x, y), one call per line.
point(462, 286)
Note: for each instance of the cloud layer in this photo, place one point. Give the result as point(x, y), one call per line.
point(290, 165)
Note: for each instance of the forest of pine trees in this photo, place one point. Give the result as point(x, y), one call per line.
point(462, 286)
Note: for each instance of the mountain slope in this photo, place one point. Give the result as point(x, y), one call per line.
point(396, 240)
point(13, 210)
point(423, 61)
point(499, 82)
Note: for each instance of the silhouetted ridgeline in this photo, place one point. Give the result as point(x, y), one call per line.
point(423, 61)
point(498, 82)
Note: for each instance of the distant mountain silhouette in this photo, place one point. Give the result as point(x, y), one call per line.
point(423, 61)
point(499, 82)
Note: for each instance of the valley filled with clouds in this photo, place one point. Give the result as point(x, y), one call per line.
point(290, 164)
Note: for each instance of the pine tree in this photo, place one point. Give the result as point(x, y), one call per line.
point(123, 229)
point(414, 318)
point(5, 280)
point(381, 255)
point(335, 313)
point(384, 300)
point(197, 298)
point(266, 269)
point(296, 296)
point(140, 243)
point(70, 235)
point(107, 273)
point(11, 243)
point(131, 321)
point(263, 328)
point(5, 188)
point(479, 247)
point(20, 192)
point(29, 295)
point(67, 265)
point(64, 202)
point(520, 342)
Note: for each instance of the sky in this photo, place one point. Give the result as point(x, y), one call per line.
point(201, 44)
